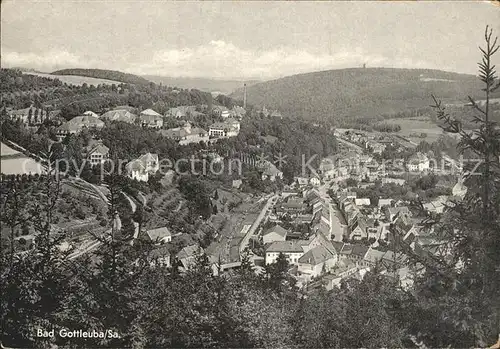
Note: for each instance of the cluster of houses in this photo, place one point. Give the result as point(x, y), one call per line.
point(186, 134)
point(160, 254)
point(312, 252)
point(351, 235)
point(191, 111)
point(146, 165)
point(348, 242)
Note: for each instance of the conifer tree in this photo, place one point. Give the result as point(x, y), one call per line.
point(460, 290)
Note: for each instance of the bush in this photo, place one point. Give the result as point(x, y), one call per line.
point(385, 127)
point(80, 213)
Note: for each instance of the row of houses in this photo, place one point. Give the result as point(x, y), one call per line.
point(187, 133)
point(190, 111)
point(316, 254)
point(333, 260)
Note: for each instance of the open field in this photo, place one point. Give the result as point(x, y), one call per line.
point(415, 126)
point(5, 150)
point(14, 162)
point(76, 80)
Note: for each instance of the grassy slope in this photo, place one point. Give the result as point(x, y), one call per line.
point(104, 74)
point(76, 79)
point(202, 84)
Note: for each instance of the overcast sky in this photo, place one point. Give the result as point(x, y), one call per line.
point(242, 40)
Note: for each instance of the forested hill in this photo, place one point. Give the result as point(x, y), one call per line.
point(104, 74)
point(359, 92)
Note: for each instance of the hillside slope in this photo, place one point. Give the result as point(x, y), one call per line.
point(360, 93)
point(104, 74)
point(77, 80)
point(202, 84)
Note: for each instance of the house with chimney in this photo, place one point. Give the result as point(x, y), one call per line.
point(150, 118)
point(391, 213)
point(320, 257)
point(316, 261)
point(292, 206)
point(364, 228)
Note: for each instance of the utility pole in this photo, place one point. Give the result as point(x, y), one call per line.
point(244, 96)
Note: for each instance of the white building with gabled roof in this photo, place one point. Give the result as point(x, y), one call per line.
point(140, 168)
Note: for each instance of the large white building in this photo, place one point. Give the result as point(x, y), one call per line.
point(293, 250)
point(140, 169)
point(226, 129)
point(418, 163)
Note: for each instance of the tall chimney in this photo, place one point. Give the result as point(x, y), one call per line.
point(244, 96)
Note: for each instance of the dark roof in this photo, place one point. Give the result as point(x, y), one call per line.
point(189, 251)
point(286, 246)
point(346, 249)
point(359, 250)
point(338, 245)
point(294, 203)
point(278, 229)
point(316, 255)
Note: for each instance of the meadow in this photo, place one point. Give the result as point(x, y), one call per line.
point(76, 79)
point(412, 127)
point(14, 162)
